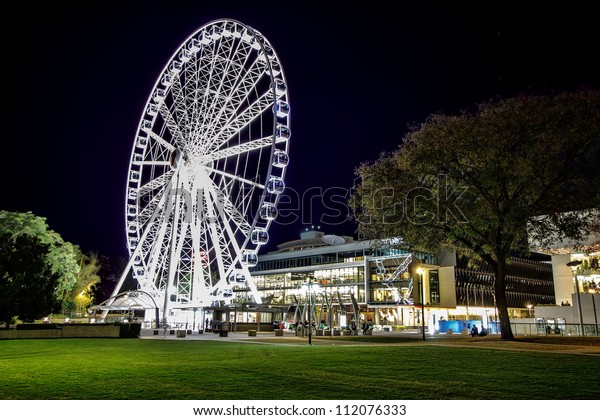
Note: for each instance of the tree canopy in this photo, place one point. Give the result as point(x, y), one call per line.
point(37, 267)
point(485, 180)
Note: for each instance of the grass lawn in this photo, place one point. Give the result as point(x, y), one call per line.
point(214, 369)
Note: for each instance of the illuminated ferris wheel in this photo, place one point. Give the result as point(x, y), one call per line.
point(207, 168)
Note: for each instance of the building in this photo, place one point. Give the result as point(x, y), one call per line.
point(338, 281)
point(576, 279)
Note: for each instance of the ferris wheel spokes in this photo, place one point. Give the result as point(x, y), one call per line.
point(158, 139)
point(240, 121)
point(237, 149)
point(230, 74)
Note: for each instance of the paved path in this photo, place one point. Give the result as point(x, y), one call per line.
point(590, 346)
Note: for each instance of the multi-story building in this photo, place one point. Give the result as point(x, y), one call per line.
point(337, 281)
point(576, 275)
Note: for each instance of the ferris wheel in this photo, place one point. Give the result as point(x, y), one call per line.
point(207, 168)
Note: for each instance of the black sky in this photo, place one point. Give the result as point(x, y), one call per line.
point(76, 80)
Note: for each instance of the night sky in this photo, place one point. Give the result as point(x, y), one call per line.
point(76, 81)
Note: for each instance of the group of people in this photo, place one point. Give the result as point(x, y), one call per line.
point(366, 326)
point(475, 331)
point(304, 325)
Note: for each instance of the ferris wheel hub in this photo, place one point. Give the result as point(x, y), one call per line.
point(178, 158)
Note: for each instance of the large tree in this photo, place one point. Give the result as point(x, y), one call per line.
point(37, 267)
point(485, 180)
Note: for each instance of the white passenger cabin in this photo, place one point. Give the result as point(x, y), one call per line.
point(275, 185)
point(282, 132)
point(236, 277)
point(185, 55)
point(175, 66)
point(279, 87)
point(159, 95)
point(282, 109)
point(194, 45)
point(259, 236)
point(249, 259)
point(268, 211)
point(142, 141)
point(280, 159)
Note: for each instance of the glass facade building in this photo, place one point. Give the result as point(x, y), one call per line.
point(385, 284)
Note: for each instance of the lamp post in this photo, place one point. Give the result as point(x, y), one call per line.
point(573, 265)
point(422, 297)
point(529, 307)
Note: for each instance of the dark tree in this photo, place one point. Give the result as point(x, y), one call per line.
point(488, 182)
point(37, 268)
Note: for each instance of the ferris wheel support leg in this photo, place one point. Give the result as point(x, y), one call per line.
point(252, 286)
point(212, 203)
point(137, 250)
point(120, 282)
point(297, 309)
point(303, 316)
point(199, 289)
point(172, 263)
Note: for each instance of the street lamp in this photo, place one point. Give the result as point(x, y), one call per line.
point(309, 288)
point(573, 265)
point(529, 307)
point(422, 297)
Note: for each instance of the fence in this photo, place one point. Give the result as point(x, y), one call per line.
point(589, 330)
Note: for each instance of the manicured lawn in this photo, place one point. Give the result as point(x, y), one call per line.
point(213, 369)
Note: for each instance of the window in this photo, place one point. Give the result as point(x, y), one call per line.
point(434, 287)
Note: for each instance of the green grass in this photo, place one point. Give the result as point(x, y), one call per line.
point(207, 369)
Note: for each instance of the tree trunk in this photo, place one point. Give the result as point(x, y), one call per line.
point(501, 303)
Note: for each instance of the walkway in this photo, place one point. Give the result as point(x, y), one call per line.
point(566, 345)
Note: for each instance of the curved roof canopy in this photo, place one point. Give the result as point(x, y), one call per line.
point(126, 301)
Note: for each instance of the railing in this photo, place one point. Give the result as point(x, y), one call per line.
point(572, 330)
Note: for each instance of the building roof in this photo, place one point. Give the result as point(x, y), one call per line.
point(312, 239)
